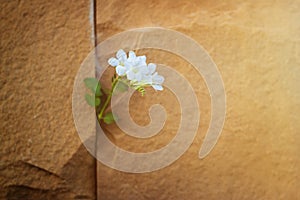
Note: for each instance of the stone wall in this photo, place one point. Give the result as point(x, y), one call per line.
point(256, 46)
point(42, 46)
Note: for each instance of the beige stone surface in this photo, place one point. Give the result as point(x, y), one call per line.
point(42, 46)
point(256, 46)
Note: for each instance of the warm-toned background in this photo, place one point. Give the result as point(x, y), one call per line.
point(42, 46)
point(256, 46)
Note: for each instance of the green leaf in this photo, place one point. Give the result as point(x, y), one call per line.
point(94, 85)
point(98, 92)
point(109, 118)
point(92, 101)
point(121, 86)
point(91, 83)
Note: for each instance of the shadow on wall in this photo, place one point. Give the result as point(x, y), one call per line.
point(75, 181)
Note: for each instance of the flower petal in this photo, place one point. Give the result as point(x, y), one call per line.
point(131, 57)
point(141, 60)
point(152, 68)
point(158, 79)
point(138, 76)
point(113, 62)
point(130, 75)
point(127, 64)
point(147, 79)
point(120, 70)
point(158, 87)
point(143, 69)
point(121, 55)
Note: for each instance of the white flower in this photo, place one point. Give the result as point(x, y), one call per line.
point(157, 81)
point(119, 62)
point(136, 67)
point(150, 78)
point(136, 70)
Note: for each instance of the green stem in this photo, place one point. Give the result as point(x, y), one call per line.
point(114, 83)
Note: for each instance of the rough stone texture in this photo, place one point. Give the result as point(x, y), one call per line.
point(256, 46)
point(42, 46)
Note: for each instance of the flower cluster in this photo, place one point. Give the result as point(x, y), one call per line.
point(136, 70)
